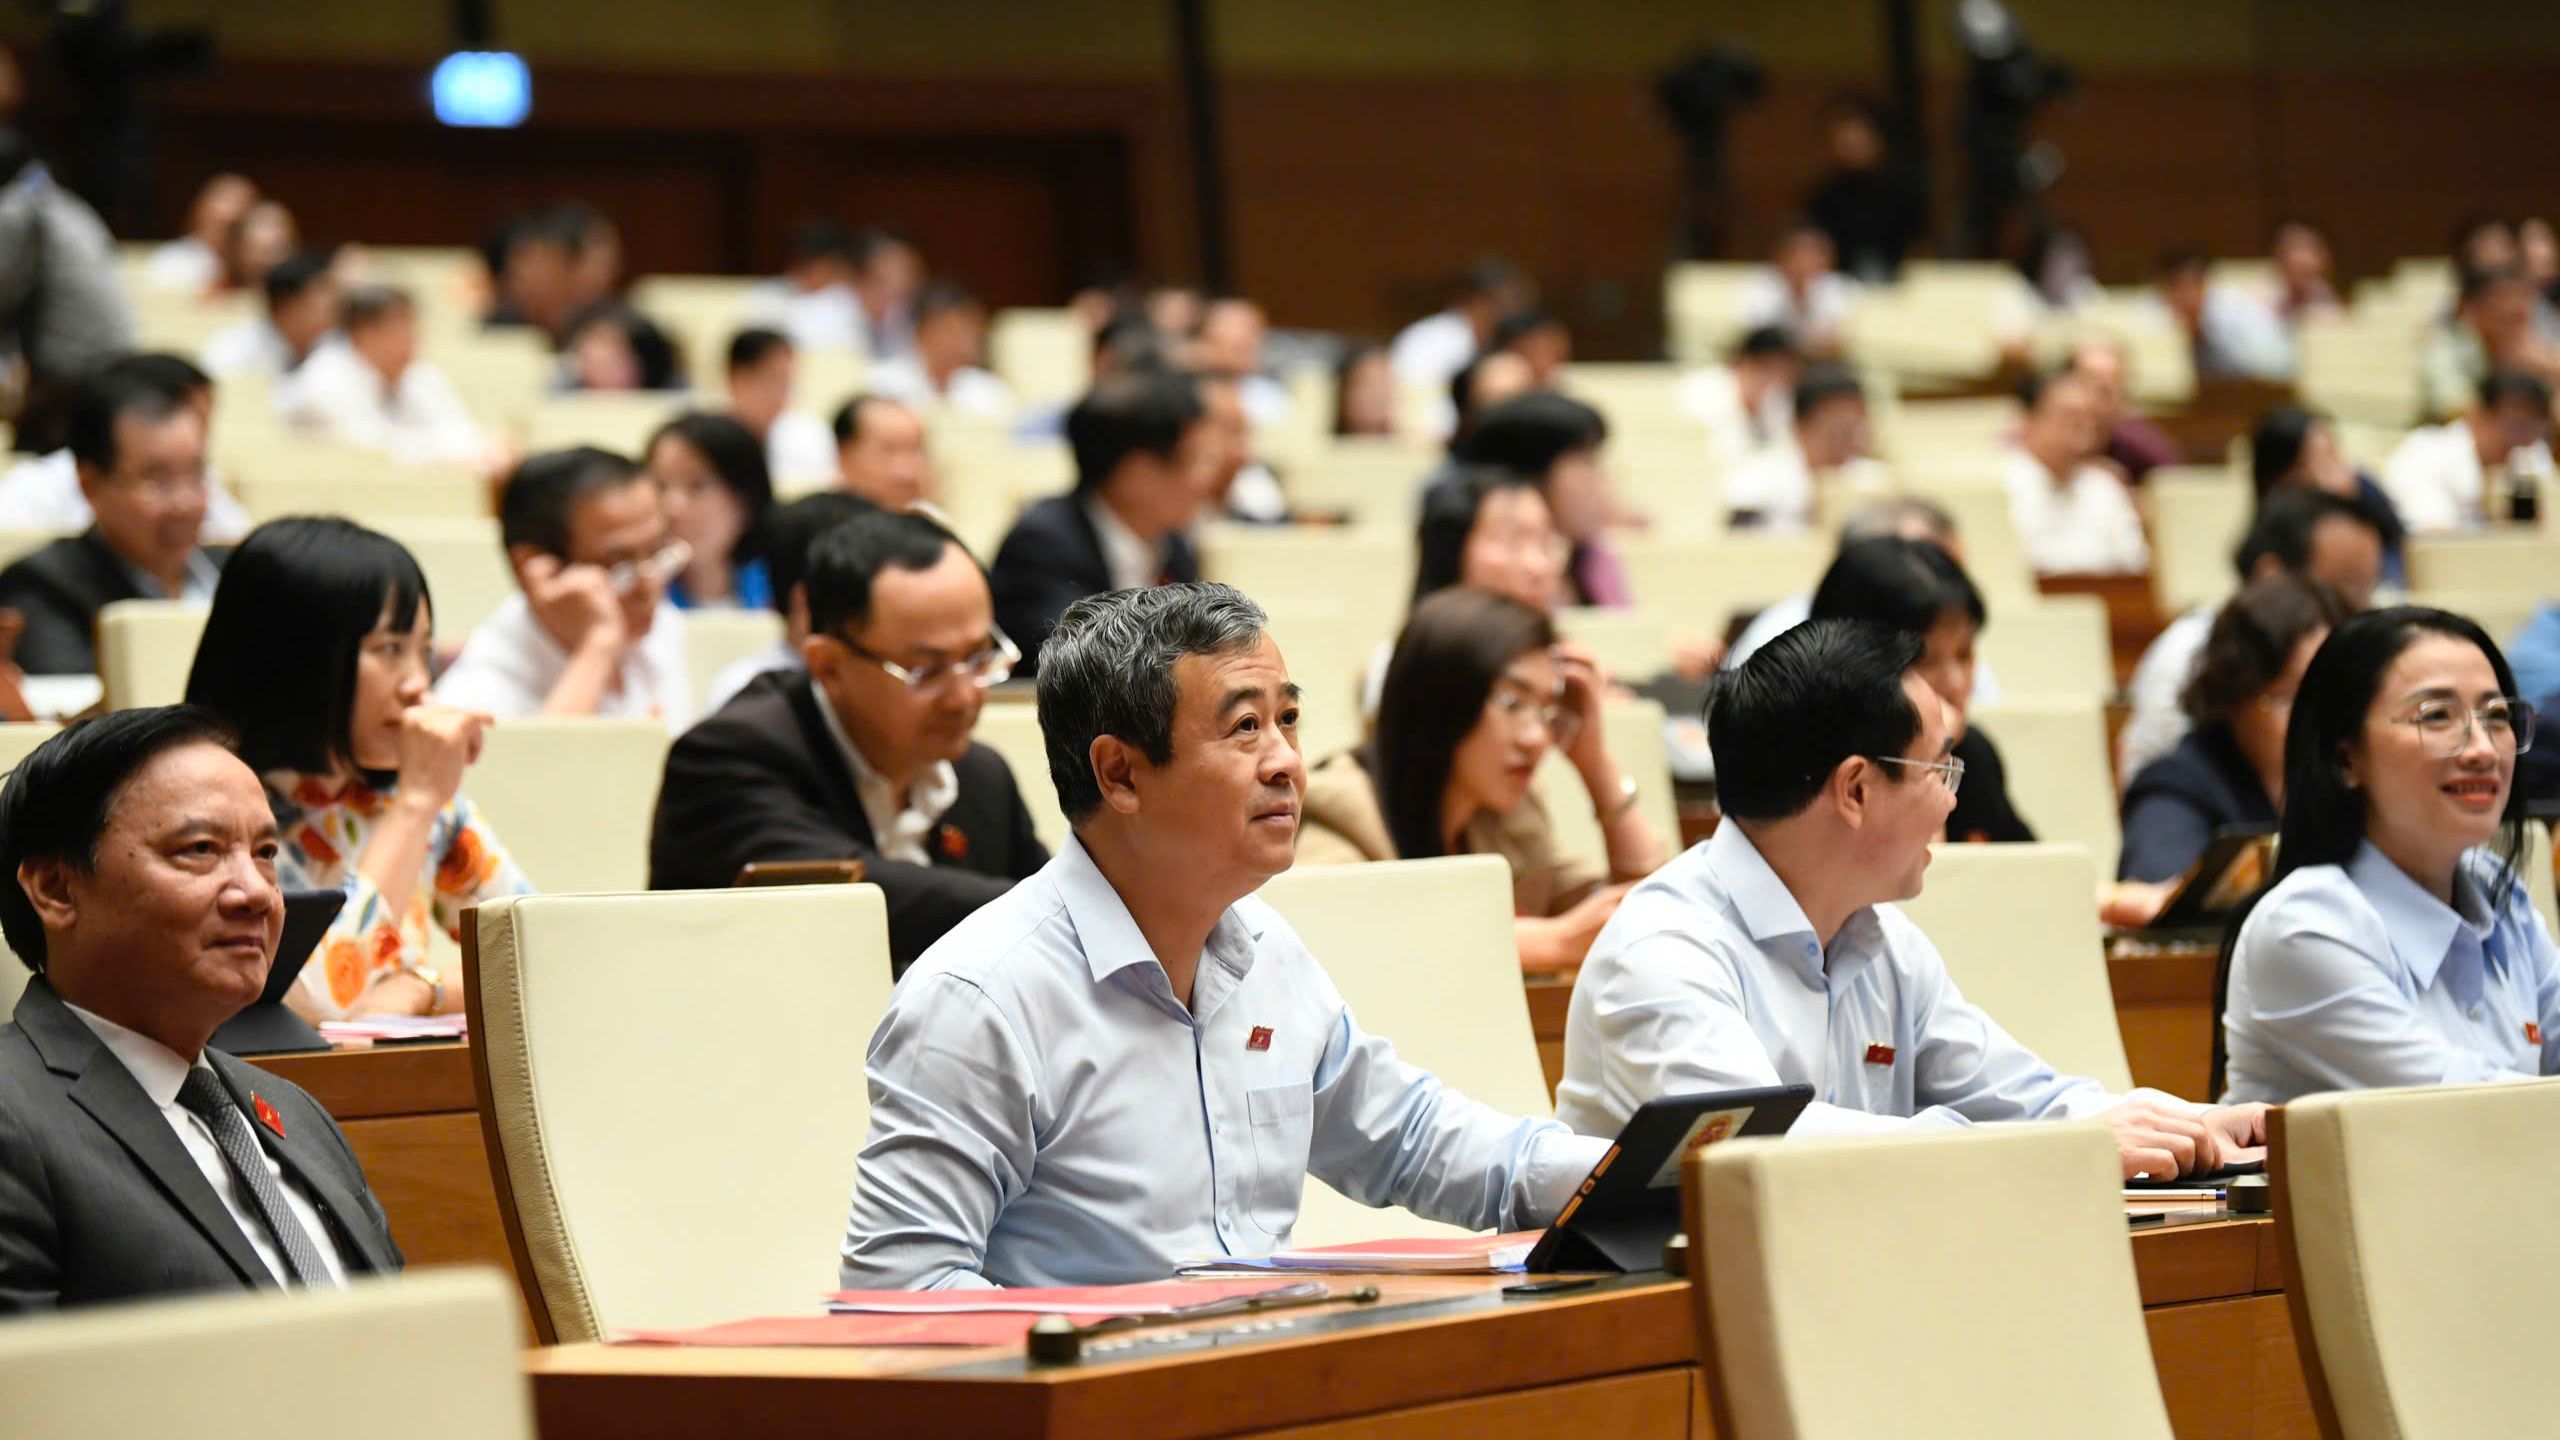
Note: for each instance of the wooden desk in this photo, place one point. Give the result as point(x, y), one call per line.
point(409, 1113)
point(1618, 1361)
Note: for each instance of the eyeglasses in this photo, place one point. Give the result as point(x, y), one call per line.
point(1562, 723)
point(988, 667)
point(657, 569)
point(2445, 729)
point(1950, 772)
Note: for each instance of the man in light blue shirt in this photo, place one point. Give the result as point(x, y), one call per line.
point(1768, 954)
point(1127, 1061)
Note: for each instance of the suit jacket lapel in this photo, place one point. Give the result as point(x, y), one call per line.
point(308, 1158)
point(835, 778)
point(101, 1085)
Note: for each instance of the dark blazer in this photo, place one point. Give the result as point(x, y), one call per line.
point(60, 589)
point(762, 779)
point(98, 1199)
point(2176, 805)
point(1983, 811)
point(1051, 559)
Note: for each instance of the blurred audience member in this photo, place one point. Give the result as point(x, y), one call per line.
point(783, 539)
point(1556, 441)
point(192, 264)
point(945, 369)
point(2492, 328)
point(1777, 487)
point(1240, 487)
point(1230, 342)
point(1744, 402)
point(2538, 251)
point(713, 474)
point(301, 310)
point(258, 241)
point(813, 300)
point(1539, 337)
point(1364, 392)
point(531, 260)
point(589, 631)
point(2137, 446)
point(366, 386)
point(1481, 384)
point(2231, 333)
point(1430, 350)
point(2306, 278)
point(612, 347)
point(595, 254)
point(880, 453)
point(2074, 512)
point(45, 493)
point(1908, 517)
point(2296, 449)
point(762, 372)
point(63, 311)
point(2458, 475)
point(2060, 277)
point(888, 270)
point(1873, 207)
point(1802, 291)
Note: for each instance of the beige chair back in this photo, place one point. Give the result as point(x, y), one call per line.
point(572, 798)
point(1635, 742)
point(465, 564)
point(145, 649)
point(1422, 950)
point(2055, 645)
point(1012, 730)
point(672, 1146)
point(2500, 612)
point(2539, 880)
point(1699, 586)
point(2018, 926)
point(2421, 1258)
point(1376, 482)
point(269, 1366)
point(716, 637)
point(2055, 750)
point(1632, 645)
point(2198, 514)
point(1999, 1300)
point(1328, 649)
point(2518, 563)
point(1366, 573)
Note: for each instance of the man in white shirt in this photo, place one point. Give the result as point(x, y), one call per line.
point(1428, 352)
point(44, 493)
point(138, 882)
point(1802, 291)
point(1229, 343)
point(2074, 512)
point(880, 453)
point(589, 631)
point(1744, 403)
point(763, 366)
point(887, 272)
point(1127, 1061)
point(301, 310)
point(366, 387)
point(812, 301)
point(1777, 489)
point(2298, 532)
point(1770, 954)
point(2450, 476)
point(943, 370)
point(192, 263)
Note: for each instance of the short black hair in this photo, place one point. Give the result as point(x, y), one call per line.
point(2275, 447)
point(116, 390)
point(294, 274)
point(2515, 387)
point(1489, 277)
point(2475, 282)
point(942, 294)
point(1528, 434)
point(2179, 259)
point(848, 421)
point(1139, 412)
point(1783, 720)
point(789, 529)
point(1767, 342)
point(1108, 670)
point(661, 363)
point(534, 505)
point(735, 456)
point(1825, 382)
point(1511, 329)
point(870, 240)
point(290, 615)
point(2286, 524)
point(2252, 641)
point(819, 238)
point(749, 347)
point(57, 802)
point(846, 557)
point(366, 304)
point(1908, 585)
point(2033, 385)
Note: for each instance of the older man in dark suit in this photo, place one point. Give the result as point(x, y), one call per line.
point(864, 754)
point(137, 879)
point(1145, 464)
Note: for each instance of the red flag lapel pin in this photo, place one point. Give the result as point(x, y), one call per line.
point(2532, 1032)
point(267, 1115)
point(1260, 1039)
point(954, 844)
point(1879, 1054)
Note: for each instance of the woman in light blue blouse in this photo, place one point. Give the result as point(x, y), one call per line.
point(2397, 945)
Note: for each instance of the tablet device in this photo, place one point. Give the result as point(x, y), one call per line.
point(267, 1027)
point(1629, 1205)
point(2231, 870)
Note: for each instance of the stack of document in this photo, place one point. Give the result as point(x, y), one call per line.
point(1465, 1255)
point(970, 1317)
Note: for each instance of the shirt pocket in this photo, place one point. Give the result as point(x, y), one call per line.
point(1283, 1119)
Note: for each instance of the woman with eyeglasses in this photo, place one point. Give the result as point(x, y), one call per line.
point(316, 650)
point(2229, 770)
point(1477, 693)
point(2396, 945)
point(1917, 588)
point(712, 470)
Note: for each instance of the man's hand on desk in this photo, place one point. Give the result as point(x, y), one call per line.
point(2242, 1129)
point(2161, 1144)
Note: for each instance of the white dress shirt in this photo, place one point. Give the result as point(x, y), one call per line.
point(421, 420)
point(1432, 349)
point(44, 494)
point(1045, 1111)
point(1815, 322)
point(899, 824)
point(510, 663)
point(1713, 397)
point(250, 347)
point(184, 266)
point(160, 1071)
point(2157, 722)
point(800, 452)
point(1134, 564)
point(1780, 491)
point(2435, 479)
point(828, 319)
point(1709, 978)
point(2087, 526)
point(974, 393)
point(2353, 976)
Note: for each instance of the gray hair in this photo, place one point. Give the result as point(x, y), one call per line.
point(1108, 670)
point(1884, 519)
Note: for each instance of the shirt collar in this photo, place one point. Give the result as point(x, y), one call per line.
point(159, 1070)
point(1109, 934)
point(1130, 559)
point(1769, 912)
point(197, 584)
point(2423, 929)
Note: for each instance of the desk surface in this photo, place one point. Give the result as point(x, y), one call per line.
point(1626, 1346)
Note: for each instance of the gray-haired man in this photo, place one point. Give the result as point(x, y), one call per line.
point(1126, 1061)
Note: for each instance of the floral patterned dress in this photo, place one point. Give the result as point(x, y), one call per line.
point(325, 832)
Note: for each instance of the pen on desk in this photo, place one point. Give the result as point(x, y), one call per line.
point(1057, 1339)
